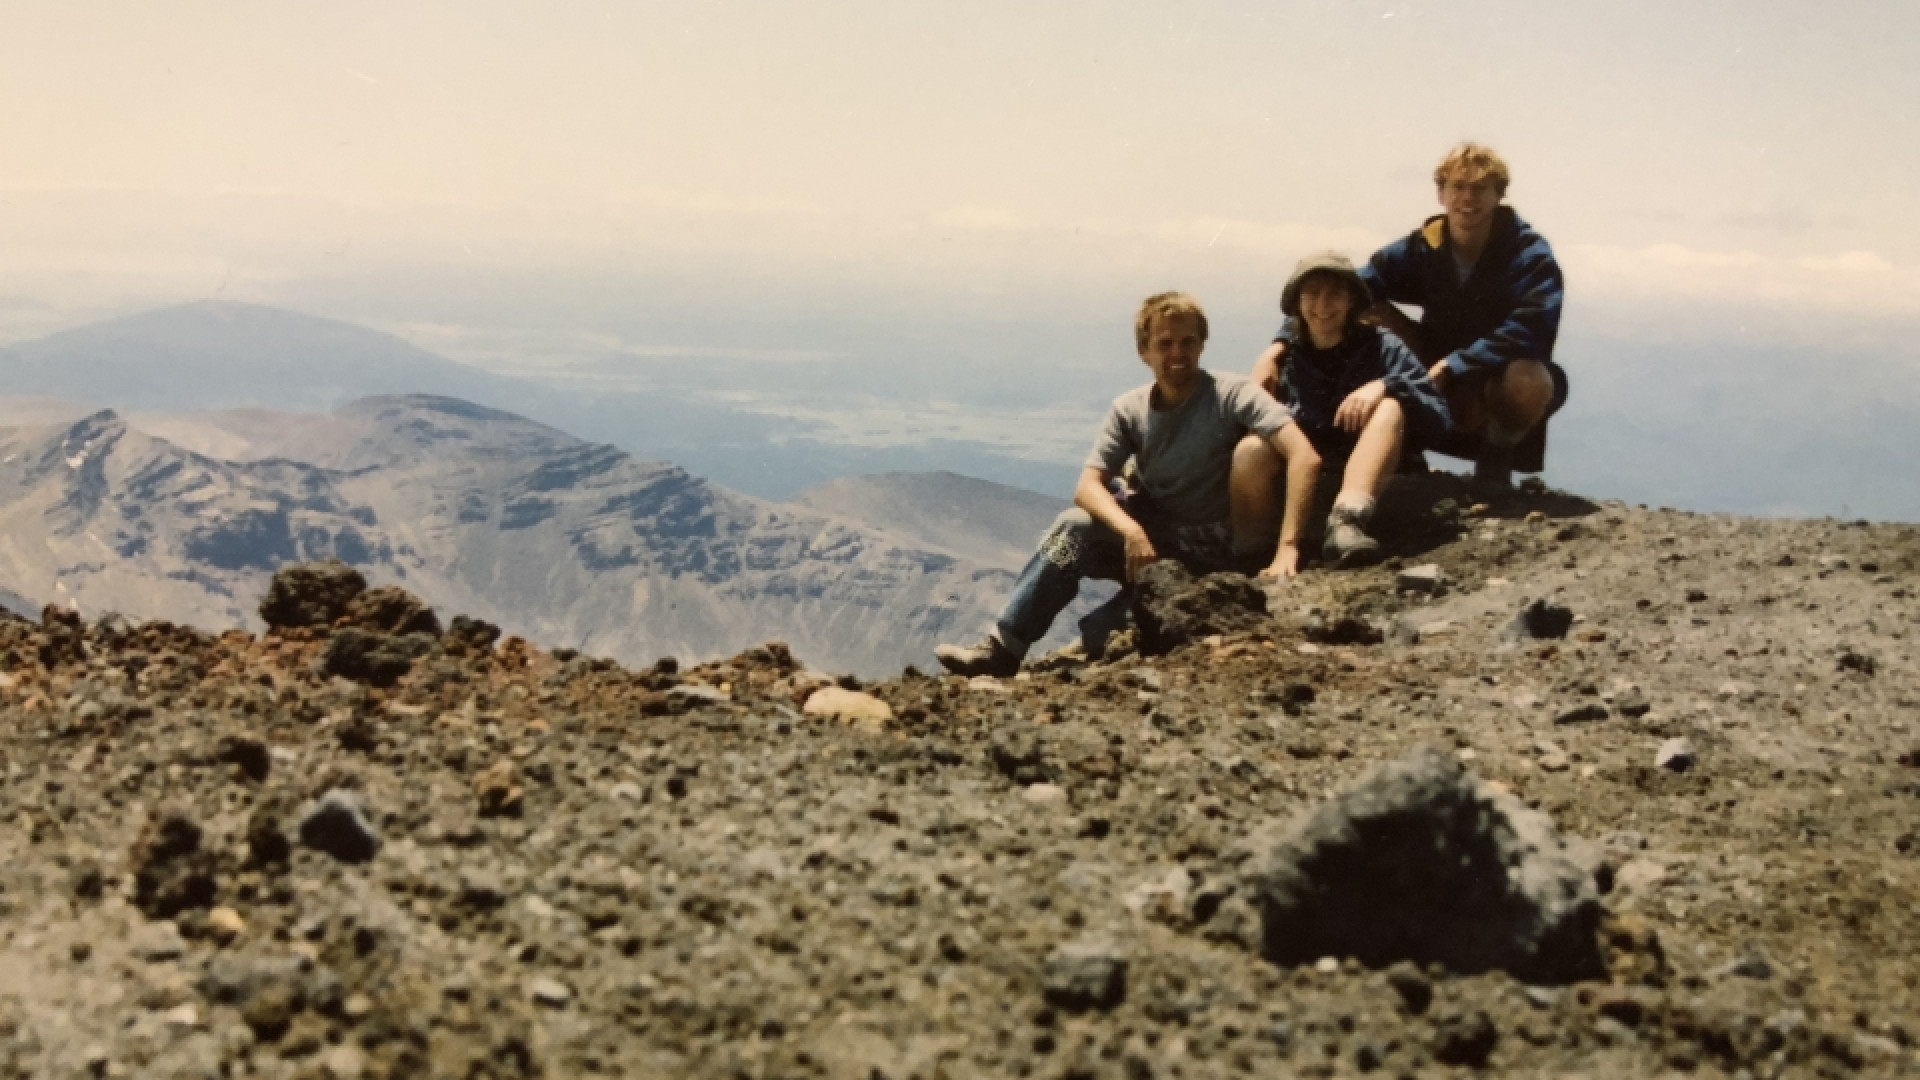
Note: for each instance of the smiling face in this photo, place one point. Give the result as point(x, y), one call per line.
point(1325, 304)
point(1172, 351)
point(1469, 203)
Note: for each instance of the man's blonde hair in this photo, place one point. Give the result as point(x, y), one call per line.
point(1161, 305)
point(1472, 163)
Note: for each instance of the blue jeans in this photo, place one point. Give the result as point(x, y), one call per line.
point(1076, 547)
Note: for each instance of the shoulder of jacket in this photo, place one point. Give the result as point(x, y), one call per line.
point(1526, 239)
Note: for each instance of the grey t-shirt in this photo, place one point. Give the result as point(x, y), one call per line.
point(1182, 454)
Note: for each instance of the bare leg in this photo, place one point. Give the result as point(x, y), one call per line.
point(1517, 400)
point(1376, 454)
point(1250, 486)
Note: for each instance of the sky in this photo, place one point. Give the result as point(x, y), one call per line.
point(892, 219)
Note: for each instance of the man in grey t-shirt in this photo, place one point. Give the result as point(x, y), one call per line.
point(1180, 432)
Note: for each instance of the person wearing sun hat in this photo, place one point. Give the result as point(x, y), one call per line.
point(1356, 391)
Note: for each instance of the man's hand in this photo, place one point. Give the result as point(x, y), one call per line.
point(1266, 369)
point(1140, 552)
point(1354, 412)
point(1440, 373)
point(1286, 563)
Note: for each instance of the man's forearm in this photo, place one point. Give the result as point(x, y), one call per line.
point(1091, 495)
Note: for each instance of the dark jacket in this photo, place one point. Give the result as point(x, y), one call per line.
point(1315, 381)
point(1507, 309)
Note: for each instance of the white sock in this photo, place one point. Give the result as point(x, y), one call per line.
point(1359, 507)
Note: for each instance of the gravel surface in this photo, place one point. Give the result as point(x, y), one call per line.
point(338, 851)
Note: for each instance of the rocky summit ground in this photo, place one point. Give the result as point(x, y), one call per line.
point(373, 843)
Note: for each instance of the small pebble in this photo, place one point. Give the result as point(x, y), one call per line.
point(224, 924)
point(1676, 755)
point(549, 992)
point(1045, 794)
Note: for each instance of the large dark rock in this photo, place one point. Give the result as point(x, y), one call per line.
point(390, 609)
point(375, 659)
point(311, 594)
point(1172, 607)
point(1421, 861)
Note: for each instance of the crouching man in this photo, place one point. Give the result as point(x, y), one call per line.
point(1490, 293)
point(1356, 391)
point(1180, 431)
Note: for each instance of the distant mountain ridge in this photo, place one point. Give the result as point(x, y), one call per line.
point(223, 354)
point(479, 511)
point(942, 511)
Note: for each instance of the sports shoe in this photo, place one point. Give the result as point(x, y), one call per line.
point(1347, 544)
point(989, 657)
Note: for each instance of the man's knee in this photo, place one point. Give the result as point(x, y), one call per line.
point(1255, 460)
point(1067, 542)
point(1525, 387)
point(1072, 518)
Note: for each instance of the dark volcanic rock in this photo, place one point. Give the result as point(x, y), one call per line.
point(1415, 989)
point(1582, 714)
point(1539, 619)
point(1422, 862)
point(1346, 628)
point(378, 659)
point(1676, 755)
point(266, 844)
point(337, 825)
point(1466, 1038)
point(390, 609)
point(1172, 608)
point(466, 635)
point(170, 871)
point(311, 594)
point(247, 752)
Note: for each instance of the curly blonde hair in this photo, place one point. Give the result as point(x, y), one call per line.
point(1164, 304)
point(1473, 163)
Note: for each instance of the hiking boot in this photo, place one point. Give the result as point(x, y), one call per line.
point(989, 657)
point(1347, 544)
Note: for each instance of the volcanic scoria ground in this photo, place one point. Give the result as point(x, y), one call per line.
point(367, 845)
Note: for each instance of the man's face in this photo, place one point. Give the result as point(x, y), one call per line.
point(1469, 204)
point(1173, 350)
point(1325, 303)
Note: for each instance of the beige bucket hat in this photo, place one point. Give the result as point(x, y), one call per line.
point(1331, 262)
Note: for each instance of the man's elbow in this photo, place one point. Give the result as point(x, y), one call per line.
point(1092, 485)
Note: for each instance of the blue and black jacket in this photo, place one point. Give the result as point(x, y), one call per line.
point(1315, 381)
point(1507, 309)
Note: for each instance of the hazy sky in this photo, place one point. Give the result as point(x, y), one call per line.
point(627, 187)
